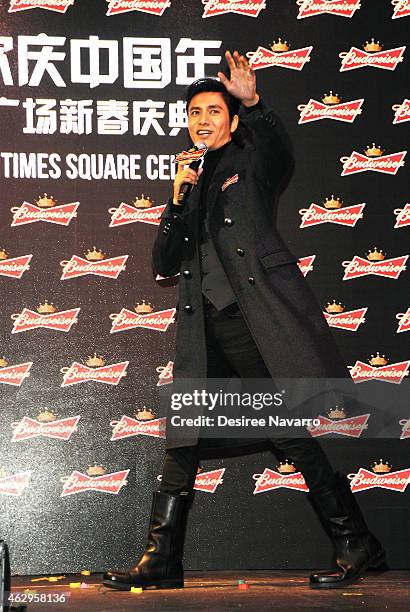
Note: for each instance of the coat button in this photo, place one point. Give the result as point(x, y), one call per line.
point(228, 221)
point(186, 239)
point(251, 280)
point(165, 232)
point(187, 274)
point(188, 308)
point(240, 252)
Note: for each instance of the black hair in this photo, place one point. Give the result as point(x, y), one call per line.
point(212, 85)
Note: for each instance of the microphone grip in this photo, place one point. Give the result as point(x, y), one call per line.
point(186, 188)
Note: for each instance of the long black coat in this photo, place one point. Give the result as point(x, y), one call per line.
point(280, 310)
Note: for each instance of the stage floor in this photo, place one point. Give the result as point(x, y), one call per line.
point(218, 591)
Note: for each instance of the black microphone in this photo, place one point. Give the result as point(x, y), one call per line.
point(186, 188)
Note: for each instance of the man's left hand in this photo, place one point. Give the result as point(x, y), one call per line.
point(242, 84)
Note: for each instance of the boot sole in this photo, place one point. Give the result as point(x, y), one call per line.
point(374, 562)
point(126, 586)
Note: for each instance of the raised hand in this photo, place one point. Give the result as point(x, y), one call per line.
point(242, 82)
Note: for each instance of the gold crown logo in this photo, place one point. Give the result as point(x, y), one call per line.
point(373, 151)
point(378, 360)
point(334, 307)
point(46, 416)
point(382, 467)
point(331, 98)
point(144, 307)
point(332, 203)
point(372, 46)
point(143, 202)
point(144, 415)
point(286, 467)
point(3, 254)
point(375, 255)
point(280, 46)
point(336, 413)
point(46, 308)
point(3, 362)
point(46, 201)
point(96, 361)
point(95, 470)
point(94, 254)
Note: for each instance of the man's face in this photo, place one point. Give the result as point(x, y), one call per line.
point(208, 120)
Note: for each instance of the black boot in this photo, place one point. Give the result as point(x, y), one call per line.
point(161, 564)
point(356, 549)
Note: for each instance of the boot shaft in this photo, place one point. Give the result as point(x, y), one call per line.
point(338, 510)
point(166, 531)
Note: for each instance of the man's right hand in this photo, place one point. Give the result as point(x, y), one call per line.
point(184, 175)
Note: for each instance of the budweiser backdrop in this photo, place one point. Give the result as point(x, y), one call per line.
point(91, 116)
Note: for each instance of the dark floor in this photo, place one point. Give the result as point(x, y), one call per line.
point(218, 591)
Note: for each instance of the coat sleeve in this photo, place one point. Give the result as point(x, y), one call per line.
point(273, 155)
point(169, 243)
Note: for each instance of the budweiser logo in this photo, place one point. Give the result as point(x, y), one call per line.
point(109, 375)
point(77, 266)
point(393, 373)
point(57, 321)
point(390, 268)
point(127, 319)
point(207, 482)
point(29, 213)
point(165, 374)
point(127, 427)
point(241, 7)
point(342, 8)
point(394, 481)
point(352, 427)
point(125, 214)
point(58, 6)
point(78, 482)
point(349, 320)
point(270, 480)
point(387, 164)
point(314, 110)
point(405, 431)
point(15, 374)
point(404, 321)
point(356, 58)
point(401, 111)
point(265, 58)
point(14, 485)
point(315, 215)
point(155, 7)
point(306, 264)
point(401, 8)
point(190, 155)
point(15, 267)
point(61, 429)
point(402, 216)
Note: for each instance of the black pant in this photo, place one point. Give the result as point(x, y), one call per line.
point(231, 350)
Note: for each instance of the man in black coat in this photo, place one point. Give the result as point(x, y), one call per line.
point(245, 310)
